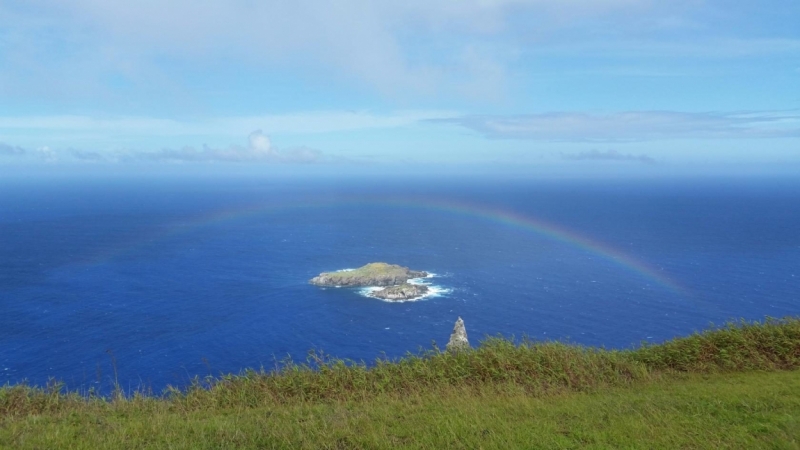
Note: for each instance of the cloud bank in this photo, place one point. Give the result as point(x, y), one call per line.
point(634, 126)
point(259, 149)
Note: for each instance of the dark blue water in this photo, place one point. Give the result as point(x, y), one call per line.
point(167, 280)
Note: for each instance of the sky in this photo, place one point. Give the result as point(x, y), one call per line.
point(596, 84)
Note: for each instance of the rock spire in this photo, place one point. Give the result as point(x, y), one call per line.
point(458, 338)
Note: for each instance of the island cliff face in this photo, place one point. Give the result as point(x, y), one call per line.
point(373, 274)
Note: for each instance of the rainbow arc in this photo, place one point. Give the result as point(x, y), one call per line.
point(495, 215)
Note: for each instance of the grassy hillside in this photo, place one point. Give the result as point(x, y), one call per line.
point(734, 387)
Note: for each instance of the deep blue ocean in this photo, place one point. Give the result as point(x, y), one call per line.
point(171, 279)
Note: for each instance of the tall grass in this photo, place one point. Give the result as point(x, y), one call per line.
point(772, 344)
point(537, 368)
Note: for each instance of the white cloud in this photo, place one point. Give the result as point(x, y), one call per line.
point(260, 144)
point(47, 154)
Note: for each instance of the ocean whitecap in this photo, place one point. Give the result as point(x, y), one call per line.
point(433, 290)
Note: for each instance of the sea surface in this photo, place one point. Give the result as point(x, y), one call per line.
point(151, 282)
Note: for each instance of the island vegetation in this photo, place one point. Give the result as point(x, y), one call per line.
point(730, 387)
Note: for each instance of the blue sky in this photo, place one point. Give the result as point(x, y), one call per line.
point(589, 83)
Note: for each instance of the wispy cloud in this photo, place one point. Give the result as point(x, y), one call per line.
point(308, 122)
point(376, 42)
point(634, 125)
point(10, 150)
point(84, 155)
point(609, 155)
point(702, 47)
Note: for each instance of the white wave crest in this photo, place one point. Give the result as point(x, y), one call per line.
point(433, 290)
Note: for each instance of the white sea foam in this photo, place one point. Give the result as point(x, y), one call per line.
point(433, 290)
point(367, 291)
point(420, 279)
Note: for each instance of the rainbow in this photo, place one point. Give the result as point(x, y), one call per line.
point(502, 217)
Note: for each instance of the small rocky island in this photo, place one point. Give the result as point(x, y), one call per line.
point(405, 291)
point(373, 274)
point(393, 277)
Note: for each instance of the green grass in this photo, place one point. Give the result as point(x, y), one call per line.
point(735, 387)
point(754, 410)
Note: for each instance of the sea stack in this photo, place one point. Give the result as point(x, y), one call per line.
point(458, 339)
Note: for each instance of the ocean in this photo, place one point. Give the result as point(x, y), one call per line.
point(151, 282)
